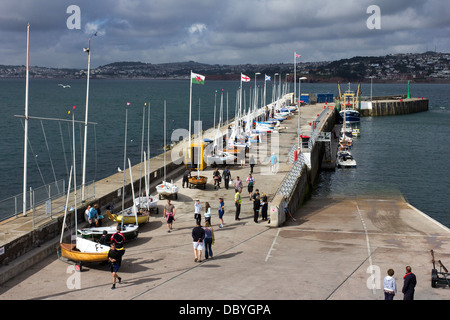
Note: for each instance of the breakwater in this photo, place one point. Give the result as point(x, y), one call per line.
point(393, 105)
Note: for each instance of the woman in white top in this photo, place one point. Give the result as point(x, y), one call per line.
point(207, 212)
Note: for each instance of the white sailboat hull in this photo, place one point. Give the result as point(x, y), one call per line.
point(146, 202)
point(166, 189)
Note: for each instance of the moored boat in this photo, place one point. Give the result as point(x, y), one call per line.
point(130, 231)
point(128, 217)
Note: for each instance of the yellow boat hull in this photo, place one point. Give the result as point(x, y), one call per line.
point(141, 217)
point(70, 252)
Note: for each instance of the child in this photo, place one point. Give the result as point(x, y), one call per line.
point(221, 212)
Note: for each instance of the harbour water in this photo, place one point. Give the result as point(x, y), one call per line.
point(400, 155)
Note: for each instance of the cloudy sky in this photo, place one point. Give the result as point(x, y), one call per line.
point(222, 32)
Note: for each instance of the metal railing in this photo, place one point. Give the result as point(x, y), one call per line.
point(289, 182)
point(43, 202)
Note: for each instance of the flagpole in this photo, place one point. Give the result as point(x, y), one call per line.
point(190, 111)
point(295, 77)
point(265, 83)
point(25, 144)
point(240, 97)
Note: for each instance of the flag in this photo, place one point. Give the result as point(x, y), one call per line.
point(128, 103)
point(267, 78)
point(197, 78)
point(297, 55)
point(245, 78)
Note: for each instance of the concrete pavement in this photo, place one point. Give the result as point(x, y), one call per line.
point(323, 255)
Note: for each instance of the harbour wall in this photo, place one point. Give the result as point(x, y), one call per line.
point(390, 106)
point(312, 160)
point(31, 247)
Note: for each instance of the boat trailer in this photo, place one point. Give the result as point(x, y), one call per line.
point(441, 277)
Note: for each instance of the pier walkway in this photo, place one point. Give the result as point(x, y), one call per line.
point(327, 253)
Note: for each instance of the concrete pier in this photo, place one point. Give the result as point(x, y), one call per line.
point(324, 254)
point(390, 106)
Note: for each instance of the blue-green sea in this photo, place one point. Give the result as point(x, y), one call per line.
point(397, 155)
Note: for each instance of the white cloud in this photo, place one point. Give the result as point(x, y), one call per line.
point(197, 28)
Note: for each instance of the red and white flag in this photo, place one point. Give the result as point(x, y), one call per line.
point(297, 55)
point(245, 78)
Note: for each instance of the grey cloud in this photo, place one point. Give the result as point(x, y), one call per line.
point(249, 31)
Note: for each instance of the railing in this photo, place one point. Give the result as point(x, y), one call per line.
point(289, 182)
point(43, 202)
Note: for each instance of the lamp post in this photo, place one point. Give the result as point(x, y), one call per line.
point(254, 101)
point(88, 50)
point(299, 105)
point(286, 84)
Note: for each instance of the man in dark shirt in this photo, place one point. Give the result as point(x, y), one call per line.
point(115, 259)
point(256, 205)
point(198, 235)
point(409, 284)
point(226, 174)
point(186, 176)
point(118, 238)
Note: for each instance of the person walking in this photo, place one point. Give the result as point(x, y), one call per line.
point(221, 212)
point(264, 205)
point(169, 214)
point(390, 286)
point(250, 184)
point(237, 203)
point(286, 209)
point(237, 183)
point(217, 178)
point(198, 235)
point(197, 211)
point(409, 284)
point(209, 240)
point(256, 205)
point(118, 238)
point(252, 163)
point(207, 212)
point(115, 260)
point(274, 163)
point(226, 174)
point(186, 176)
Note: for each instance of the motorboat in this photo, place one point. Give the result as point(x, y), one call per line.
point(346, 161)
point(351, 116)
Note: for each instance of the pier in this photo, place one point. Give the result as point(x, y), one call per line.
point(335, 249)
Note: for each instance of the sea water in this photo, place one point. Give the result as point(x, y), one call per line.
point(397, 155)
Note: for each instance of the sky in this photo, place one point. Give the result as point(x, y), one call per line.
point(218, 32)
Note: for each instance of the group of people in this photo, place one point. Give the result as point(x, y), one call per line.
point(409, 284)
point(93, 216)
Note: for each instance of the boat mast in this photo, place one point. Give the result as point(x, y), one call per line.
point(25, 145)
point(124, 159)
point(67, 204)
point(88, 50)
point(74, 169)
point(165, 151)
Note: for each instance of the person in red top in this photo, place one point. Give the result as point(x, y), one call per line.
point(118, 238)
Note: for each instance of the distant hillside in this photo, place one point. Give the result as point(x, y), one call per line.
point(424, 67)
